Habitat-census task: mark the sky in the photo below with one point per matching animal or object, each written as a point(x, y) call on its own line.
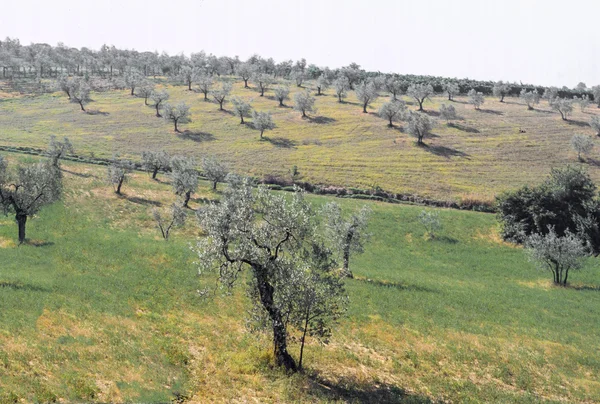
point(545, 42)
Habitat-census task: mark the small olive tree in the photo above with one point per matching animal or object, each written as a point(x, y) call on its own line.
point(25, 191)
point(282, 93)
point(304, 102)
point(153, 161)
point(80, 93)
point(419, 125)
point(57, 149)
point(563, 106)
point(348, 233)
point(420, 92)
point(530, 98)
point(177, 114)
point(322, 84)
point(214, 171)
point(475, 98)
point(158, 97)
point(366, 94)
point(392, 111)
point(596, 93)
point(241, 108)
point(430, 219)
point(263, 82)
point(394, 87)
point(221, 94)
point(245, 71)
point(165, 224)
point(341, 86)
point(447, 112)
point(133, 78)
point(501, 90)
point(184, 178)
point(595, 124)
point(556, 254)
point(205, 83)
point(582, 144)
point(262, 121)
point(145, 90)
point(583, 102)
point(451, 89)
point(118, 172)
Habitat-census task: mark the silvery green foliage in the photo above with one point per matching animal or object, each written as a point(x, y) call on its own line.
point(205, 83)
point(430, 219)
point(378, 81)
point(348, 233)
point(562, 105)
point(145, 90)
point(80, 93)
point(366, 92)
point(322, 84)
point(419, 125)
point(66, 84)
point(176, 218)
point(583, 102)
point(530, 98)
point(241, 108)
point(25, 191)
point(556, 254)
point(341, 85)
point(184, 177)
point(263, 81)
point(220, 94)
point(582, 144)
point(133, 78)
point(269, 234)
point(177, 114)
point(451, 89)
point(158, 97)
point(282, 93)
point(596, 93)
point(581, 87)
point(550, 94)
point(117, 172)
point(500, 90)
point(595, 124)
point(393, 86)
point(188, 75)
point(447, 112)
point(475, 98)
point(153, 161)
point(304, 102)
point(245, 71)
point(420, 92)
point(262, 121)
point(298, 76)
point(214, 171)
point(57, 149)
point(392, 111)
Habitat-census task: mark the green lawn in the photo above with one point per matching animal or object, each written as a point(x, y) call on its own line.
point(499, 147)
point(96, 307)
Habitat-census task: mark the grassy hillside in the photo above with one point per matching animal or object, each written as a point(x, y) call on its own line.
point(485, 152)
point(95, 307)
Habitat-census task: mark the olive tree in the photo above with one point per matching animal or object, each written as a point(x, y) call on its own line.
point(322, 84)
point(550, 94)
point(564, 106)
point(118, 172)
point(304, 102)
point(420, 92)
point(27, 189)
point(158, 97)
point(184, 177)
point(501, 90)
point(341, 85)
point(419, 125)
point(153, 161)
point(177, 114)
point(366, 94)
point(583, 102)
point(430, 219)
point(451, 89)
point(145, 90)
point(298, 76)
point(475, 98)
point(270, 235)
point(165, 224)
point(188, 75)
point(582, 144)
point(557, 254)
point(80, 93)
point(57, 149)
point(596, 93)
point(262, 121)
point(133, 78)
point(221, 94)
point(263, 81)
point(214, 170)
point(392, 111)
point(393, 86)
point(241, 108)
point(595, 124)
point(205, 82)
point(447, 112)
point(245, 71)
point(66, 84)
point(530, 98)
point(347, 232)
point(282, 93)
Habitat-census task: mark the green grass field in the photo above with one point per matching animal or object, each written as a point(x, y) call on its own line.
point(484, 153)
point(96, 307)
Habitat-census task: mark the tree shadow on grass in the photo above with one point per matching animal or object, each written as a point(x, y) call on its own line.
point(280, 142)
point(321, 119)
point(142, 201)
point(446, 152)
point(577, 123)
point(20, 286)
point(490, 111)
point(81, 175)
point(431, 113)
point(96, 112)
point(38, 243)
point(592, 288)
point(358, 392)
point(464, 128)
point(444, 239)
point(593, 162)
point(542, 111)
point(196, 136)
point(394, 285)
